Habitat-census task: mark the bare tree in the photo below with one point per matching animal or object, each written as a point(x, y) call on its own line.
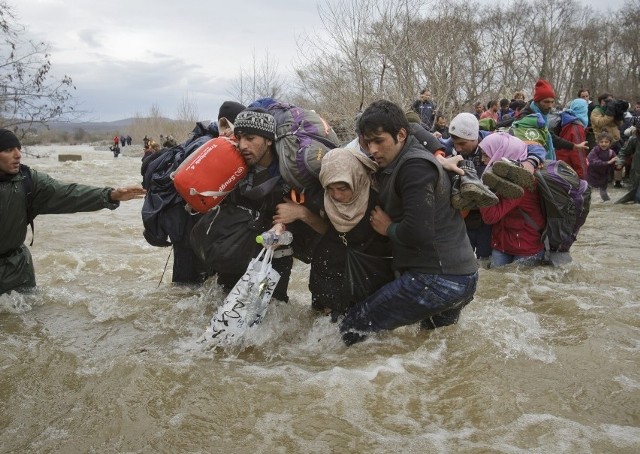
point(28, 93)
point(187, 111)
point(463, 53)
point(262, 80)
point(626, 22)
point(449, 53)
point(154, 124)
point(337, 73)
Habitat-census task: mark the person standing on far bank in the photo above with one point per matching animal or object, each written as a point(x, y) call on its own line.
point(426, 108)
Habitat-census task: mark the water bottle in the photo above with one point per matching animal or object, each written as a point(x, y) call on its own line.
point(268, 239)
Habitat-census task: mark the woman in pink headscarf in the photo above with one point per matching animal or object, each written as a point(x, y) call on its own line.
point(516, 223)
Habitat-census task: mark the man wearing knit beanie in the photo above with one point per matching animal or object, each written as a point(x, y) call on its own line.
point(255, 129)
point(542, 91)
point(9, 140)
point(465, 126)
point(543, 101)
point(257, 121)
point(265, 195)
point(24, 194)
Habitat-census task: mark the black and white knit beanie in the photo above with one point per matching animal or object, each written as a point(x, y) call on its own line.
point(256, 121)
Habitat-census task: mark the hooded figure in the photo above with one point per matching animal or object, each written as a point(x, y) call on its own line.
point(350, 166)
point(572, 128)
point(503, 145)
point(349, 196)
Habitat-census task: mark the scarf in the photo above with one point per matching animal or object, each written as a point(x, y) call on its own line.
point(580, 109)
point(551, 152)
point(350, 166)
point(503, 145)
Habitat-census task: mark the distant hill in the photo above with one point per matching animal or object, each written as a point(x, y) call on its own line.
point(92, 126)
point(91, 131)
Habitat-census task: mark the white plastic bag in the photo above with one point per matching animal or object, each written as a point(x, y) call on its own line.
point(246, 304)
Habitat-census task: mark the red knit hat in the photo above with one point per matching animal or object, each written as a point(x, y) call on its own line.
point(543, 90)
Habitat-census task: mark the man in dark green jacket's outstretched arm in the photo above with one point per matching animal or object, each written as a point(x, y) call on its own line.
point(26, 193)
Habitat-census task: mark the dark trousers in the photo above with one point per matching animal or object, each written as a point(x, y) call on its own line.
point(187, 268)
point(480, 240)
point(435, 300)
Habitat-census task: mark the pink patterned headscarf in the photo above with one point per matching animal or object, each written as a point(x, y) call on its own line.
point(503, 145)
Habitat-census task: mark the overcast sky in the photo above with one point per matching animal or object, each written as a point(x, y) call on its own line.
point(125, 56)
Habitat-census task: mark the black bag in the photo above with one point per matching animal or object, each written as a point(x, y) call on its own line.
point(364, 274)
point(225, 238)
point(163, 210)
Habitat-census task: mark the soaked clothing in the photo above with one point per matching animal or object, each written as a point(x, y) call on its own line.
point(47, 196)
point(261, 191)
point(631, 153)
point(326, 281)
point(433, 300)
point(431, 250)
point(427, 233)
point(512, 233)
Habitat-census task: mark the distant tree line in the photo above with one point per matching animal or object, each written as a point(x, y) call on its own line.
point(465, 52)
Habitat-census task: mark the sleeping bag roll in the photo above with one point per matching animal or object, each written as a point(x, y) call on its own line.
point(209, 174)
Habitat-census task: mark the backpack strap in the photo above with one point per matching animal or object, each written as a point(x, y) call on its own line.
point(27, 187)
point(529, 220)
point(542, 183)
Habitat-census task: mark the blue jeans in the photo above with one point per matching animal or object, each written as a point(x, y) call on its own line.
point(435, 300)
point(499, 258)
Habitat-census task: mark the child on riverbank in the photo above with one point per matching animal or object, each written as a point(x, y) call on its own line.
point(601, 160)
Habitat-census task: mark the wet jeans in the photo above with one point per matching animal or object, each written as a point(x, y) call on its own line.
point(499, 258)
point(435, 300)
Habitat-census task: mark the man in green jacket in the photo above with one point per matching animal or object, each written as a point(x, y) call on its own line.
point(26, 193)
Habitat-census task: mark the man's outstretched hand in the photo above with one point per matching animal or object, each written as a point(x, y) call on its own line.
point(127, 193)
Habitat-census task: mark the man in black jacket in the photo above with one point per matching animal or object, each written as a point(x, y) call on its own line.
point(432, 256)
point(264, 194)
point(426, 108)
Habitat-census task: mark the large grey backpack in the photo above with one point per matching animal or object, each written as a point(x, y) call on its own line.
point(302, 139)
